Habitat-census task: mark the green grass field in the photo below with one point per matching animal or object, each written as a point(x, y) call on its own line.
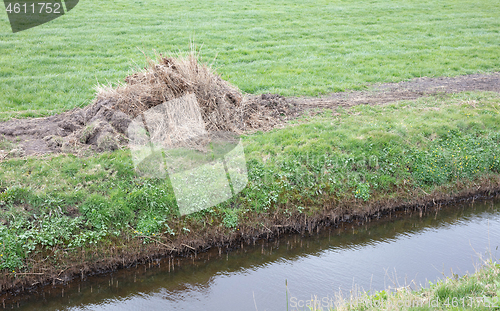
point(287, 47)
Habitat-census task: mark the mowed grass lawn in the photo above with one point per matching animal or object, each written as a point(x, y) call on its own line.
point(288, 47)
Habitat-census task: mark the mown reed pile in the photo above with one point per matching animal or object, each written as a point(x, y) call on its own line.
point(169, 78)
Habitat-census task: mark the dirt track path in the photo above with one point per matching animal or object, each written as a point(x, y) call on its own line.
point(410, 90)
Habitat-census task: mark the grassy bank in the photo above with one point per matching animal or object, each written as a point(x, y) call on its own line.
point(287, 47)
point(56, 208)
point(478, 291)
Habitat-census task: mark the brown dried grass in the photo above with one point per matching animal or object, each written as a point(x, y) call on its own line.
point(176, 122)
point(168, 78)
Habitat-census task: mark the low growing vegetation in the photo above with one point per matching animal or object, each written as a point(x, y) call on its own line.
point(61, 203)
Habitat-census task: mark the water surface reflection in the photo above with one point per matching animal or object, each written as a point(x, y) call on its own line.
point(390, 252)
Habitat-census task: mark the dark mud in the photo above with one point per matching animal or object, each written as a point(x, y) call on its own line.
point(101, 126)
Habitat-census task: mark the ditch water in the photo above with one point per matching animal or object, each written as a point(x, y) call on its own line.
point(392, 251)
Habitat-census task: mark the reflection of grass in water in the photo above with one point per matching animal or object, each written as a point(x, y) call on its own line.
point(484, 284)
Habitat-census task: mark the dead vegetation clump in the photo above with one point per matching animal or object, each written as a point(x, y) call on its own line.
point(172, 90)
point(171, 78)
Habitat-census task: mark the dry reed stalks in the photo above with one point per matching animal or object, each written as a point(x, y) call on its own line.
point(169, 78)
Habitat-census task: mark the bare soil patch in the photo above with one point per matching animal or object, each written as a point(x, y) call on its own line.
point(407, 90)
point(103, 125)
